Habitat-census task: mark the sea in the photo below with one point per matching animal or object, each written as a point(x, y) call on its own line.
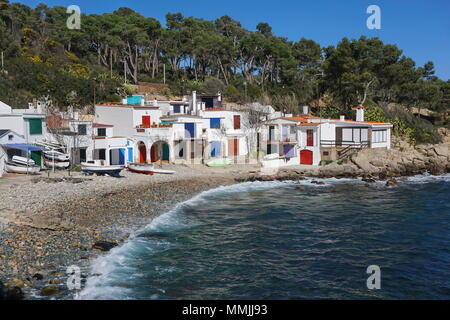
point(344, 239)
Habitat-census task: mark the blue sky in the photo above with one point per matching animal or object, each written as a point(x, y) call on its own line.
point(420, 28)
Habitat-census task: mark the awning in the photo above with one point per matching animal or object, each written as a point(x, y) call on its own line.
point(23, 147)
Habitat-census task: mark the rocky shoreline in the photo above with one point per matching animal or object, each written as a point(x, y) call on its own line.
point(39, 241)
point(48, 224)
point(371, 165)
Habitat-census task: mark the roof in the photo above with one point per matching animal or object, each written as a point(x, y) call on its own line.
point(176, 116)
point(362, 122)
point(23, 147)
point(216, 109)
point(131, 106)
point(3, 132)
point(99, 125)
point(308, 124)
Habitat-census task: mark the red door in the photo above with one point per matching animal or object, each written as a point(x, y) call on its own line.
point(306, 157)
point(146, 121)
point(142, 153)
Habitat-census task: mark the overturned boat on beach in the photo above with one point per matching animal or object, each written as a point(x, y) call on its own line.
point(99, 167)
point(14, 167)
point(142, 168)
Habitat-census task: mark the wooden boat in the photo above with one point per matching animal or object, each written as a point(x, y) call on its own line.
point(13, 167)
point(99, 167)
point(273, 156)
point(219, 163)
point(23, 161)
point(161, 171)
point(57, 164)
point(143, 168)
point(58, 156)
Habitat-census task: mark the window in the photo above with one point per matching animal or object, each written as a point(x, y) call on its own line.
point(214, 123)
point(101, 132)
point(82, 129)
point(310, 138)
point(35, 126)
point(176, 108)
point(102, 154)
point(379, 136)
point(10, 137)
point(83, 155)
point(237, 122)
point(326, 153)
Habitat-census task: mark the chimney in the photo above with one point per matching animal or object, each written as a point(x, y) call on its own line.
point(219, 96)
point(360, 113)
point(342, 118)
point(124, 100)
point(194, 102)
point(305, 109)
point(142, 101)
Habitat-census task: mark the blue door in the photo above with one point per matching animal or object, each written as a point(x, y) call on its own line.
point(216, 147)
point(122, 156)
point(130, 155)
point(190, 130)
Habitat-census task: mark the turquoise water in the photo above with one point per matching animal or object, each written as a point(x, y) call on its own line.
point(269, 240)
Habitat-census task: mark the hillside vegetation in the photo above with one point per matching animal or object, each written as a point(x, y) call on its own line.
point(43, 58)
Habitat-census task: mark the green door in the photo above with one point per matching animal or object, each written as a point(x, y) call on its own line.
point(36, 156)
point(166, 152)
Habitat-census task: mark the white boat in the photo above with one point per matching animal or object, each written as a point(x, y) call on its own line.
point(99, 167)
point(58, 156)
point(273, 156)
point(57, 164)
point(143, 168)
point(161, 171)
point(12, 167)
point(22, 161)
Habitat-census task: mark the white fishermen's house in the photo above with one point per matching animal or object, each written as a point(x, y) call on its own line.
point(87, 140)
point(290, 141)
point(21, 128)
point(341, 137)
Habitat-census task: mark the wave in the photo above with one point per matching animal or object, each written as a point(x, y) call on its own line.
point(109, 273)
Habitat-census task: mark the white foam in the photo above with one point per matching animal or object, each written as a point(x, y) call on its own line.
point(115, 267)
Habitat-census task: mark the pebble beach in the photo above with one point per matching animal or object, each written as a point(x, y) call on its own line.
point(50, 222)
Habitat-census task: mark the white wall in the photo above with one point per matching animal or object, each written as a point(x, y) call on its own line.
point(120, 117)
point(155, 115)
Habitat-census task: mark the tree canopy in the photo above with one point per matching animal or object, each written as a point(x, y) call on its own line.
point(44, 57)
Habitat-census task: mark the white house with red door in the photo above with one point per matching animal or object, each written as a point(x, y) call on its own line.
point(341, 137)
point(290, 142)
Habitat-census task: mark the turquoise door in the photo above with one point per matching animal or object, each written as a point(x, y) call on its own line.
point(166, 152)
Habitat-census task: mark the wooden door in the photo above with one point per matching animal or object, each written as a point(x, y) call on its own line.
point(146, 121)
point(306, 157)
point(233, 147)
